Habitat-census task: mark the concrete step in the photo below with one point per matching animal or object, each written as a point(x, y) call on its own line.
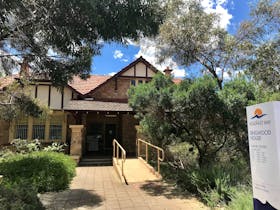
point(96, 162)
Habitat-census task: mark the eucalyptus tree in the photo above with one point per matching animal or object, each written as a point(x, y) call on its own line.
point(259, 43)
point(59, 37)
point(192, 36)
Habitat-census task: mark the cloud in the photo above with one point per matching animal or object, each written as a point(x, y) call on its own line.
point(112, 73)
point(218, 7)
point(125, 60)
point(118, 54)
point(148, 50)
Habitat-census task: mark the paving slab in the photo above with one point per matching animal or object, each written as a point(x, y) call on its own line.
point(100, 188)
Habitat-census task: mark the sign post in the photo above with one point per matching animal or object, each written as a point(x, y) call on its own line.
point(264, 144)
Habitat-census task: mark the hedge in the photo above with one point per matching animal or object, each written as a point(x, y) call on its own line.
point(47, 171)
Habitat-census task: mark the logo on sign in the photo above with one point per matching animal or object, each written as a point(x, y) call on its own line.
point(258, 114)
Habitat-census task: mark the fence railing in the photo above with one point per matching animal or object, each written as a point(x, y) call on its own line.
point(160, 152)
point(116, 154)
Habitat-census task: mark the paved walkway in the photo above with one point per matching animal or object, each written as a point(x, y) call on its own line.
point(99, 188)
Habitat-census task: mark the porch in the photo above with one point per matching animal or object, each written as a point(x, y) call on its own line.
point(94, 124)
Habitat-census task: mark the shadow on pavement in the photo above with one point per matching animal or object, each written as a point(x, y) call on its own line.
point(71, 199)
point(164, 189)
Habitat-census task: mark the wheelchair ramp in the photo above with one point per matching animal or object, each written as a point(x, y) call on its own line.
point(135, 170)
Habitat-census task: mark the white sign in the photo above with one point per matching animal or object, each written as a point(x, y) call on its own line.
point(264, 143)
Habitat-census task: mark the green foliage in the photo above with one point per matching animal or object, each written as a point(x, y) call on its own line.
point(237, 94)
point(151, 101)
point(21, 196)
point(183, 154)
point(241, 199)
point(216, 185)
point(60, 37)
point(259, 51)
point(211, 120)
point(55, 147)
point(47, 171)
point(201, 117)
point(25, 146)
point(15, 100)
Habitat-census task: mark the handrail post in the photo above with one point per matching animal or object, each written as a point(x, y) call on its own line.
point(113, 148)
point(160, 152)
point(138, 148)
point(122, 162)
point(158, 163)
point(147, 155)
point(117, 155)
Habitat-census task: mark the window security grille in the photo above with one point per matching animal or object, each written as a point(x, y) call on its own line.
point(21, 131)
point(55, 132)
point(56, 127)
point(38, 132)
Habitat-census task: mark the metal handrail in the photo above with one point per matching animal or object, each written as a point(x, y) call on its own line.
point(116, 152)
point(160, 157)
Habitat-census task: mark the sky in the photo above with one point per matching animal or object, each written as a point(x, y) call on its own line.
point(115, 56)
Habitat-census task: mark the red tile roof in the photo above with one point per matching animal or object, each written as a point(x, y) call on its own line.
point(5, 81)
point(80, 85)
point(85, 86)
point(177, 80)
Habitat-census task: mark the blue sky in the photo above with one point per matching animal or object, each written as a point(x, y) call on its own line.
point(115, 56)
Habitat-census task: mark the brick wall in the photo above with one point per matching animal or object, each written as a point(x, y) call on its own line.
point(107, 91)
point(4, 132)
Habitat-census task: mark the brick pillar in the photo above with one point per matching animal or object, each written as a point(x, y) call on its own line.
point(76, 141)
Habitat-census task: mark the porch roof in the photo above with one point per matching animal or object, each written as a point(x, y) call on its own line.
point(83, 105)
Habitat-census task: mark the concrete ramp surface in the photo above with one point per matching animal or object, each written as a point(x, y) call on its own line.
point(136, 171)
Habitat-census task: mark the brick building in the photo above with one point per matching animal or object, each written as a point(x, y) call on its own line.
point(87, 114)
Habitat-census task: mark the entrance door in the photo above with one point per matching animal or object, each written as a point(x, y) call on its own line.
point(110, 134)
point(94, 139)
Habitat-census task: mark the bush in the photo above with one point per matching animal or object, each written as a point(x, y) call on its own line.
point(26, 146)
point(47, 171)
point(214, 184)
point(242, 199)
point(19, 196)
point(183, 154)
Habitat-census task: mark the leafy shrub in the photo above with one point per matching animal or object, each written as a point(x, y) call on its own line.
point(25, 146)
point(19, 196)
point(213, 184)
point(241, 199)
point(47, 171)
point(184, 154)
point(55, 147)
point(5, 153)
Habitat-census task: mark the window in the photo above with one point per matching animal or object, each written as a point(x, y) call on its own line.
point(137, 82)
point(133, 82)
point(55, 132)
point(56, 128)
point(38, 129)
point(41, 128)
point(21, 128)
point(21, 131)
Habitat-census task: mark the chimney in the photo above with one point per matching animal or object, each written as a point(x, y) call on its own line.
point(24, 68)
point(167, 71)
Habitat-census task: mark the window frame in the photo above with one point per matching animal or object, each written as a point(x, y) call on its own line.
point(29, 122)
